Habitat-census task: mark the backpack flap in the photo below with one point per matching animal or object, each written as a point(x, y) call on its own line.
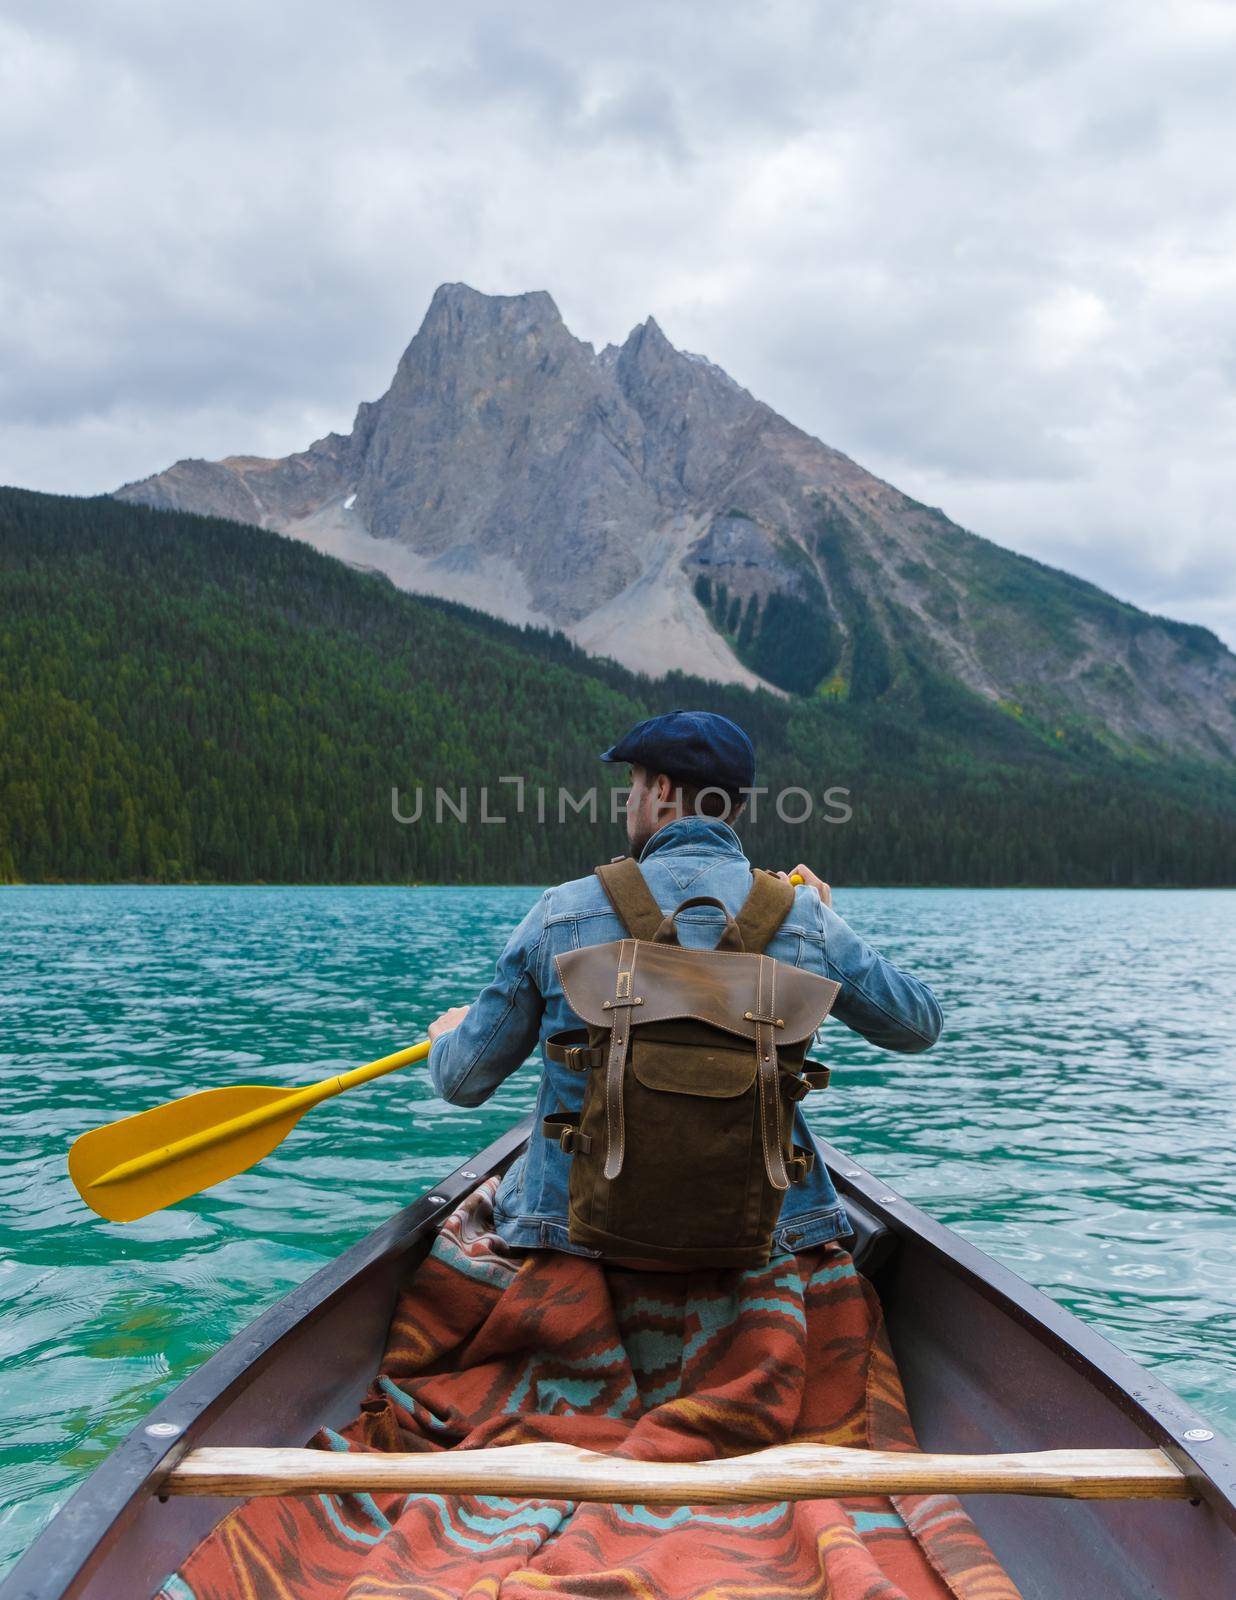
point(719, 987)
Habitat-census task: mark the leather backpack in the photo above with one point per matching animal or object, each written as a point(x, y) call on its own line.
point(693, 1066)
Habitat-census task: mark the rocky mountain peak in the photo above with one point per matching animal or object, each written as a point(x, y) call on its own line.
point(647, 504)
point(467, 331)
point(646, 339)
point(647, 356)
point(457, 308)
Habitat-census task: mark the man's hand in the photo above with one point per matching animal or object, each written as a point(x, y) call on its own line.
point(446, 1022)
point(809, 877)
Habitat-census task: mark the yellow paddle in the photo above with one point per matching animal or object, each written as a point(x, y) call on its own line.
point(145, 1162)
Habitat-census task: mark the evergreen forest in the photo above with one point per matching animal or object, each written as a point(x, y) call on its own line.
point(186, 699)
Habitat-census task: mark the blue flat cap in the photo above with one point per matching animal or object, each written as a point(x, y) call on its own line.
point(701, 748)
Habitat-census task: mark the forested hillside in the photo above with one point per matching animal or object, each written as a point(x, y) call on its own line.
point(184, 698)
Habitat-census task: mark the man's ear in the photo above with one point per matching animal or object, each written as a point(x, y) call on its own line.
point(665, 789)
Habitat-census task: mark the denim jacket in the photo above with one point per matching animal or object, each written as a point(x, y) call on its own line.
point(525, 1004)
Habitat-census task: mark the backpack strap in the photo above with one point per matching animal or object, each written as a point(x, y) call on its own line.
point(619, 1043)
point(766, 907)
point(764, 910)
point(767, 1069)
point(631, 897)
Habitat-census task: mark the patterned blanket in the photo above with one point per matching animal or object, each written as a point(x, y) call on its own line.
point(494, 1347)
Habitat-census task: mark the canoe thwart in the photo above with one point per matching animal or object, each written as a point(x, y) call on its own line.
point(788, 1472)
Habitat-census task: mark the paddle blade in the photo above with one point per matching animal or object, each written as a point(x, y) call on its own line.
point(225, 1137)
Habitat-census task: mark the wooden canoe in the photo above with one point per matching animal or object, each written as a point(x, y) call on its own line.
point(989, 1365)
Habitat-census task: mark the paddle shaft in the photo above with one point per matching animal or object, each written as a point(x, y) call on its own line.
point(788, 1472)
point(292, 1105)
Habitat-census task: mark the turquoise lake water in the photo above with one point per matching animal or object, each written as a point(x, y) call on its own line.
point(1076, 1121)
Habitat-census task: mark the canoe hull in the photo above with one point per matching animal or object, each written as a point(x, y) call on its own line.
point(988, 1364)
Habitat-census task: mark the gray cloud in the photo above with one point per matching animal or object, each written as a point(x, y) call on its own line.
point(984, 246)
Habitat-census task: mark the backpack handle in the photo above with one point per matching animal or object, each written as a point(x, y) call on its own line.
point(730, 938)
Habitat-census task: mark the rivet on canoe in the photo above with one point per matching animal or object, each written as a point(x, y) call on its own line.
point(162, 1430)
point(436, 1199)
point(1198, 1435)
point(465, 1172)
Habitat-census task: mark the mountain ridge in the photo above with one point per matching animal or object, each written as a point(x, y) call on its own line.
point(652, 508)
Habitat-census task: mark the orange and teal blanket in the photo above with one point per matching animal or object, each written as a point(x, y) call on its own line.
point(494, 1347)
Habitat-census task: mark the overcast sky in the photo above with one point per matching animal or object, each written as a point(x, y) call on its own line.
point(988, 249)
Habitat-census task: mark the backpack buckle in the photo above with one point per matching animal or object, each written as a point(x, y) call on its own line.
point(800, 1085)
point(563, 1127)
point(572, 1050)
point(800, 1164)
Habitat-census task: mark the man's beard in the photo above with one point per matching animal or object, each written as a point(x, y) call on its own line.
point(652, 815)
point(644, 831)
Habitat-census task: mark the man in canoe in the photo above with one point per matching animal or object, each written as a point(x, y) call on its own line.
point(690, 772)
